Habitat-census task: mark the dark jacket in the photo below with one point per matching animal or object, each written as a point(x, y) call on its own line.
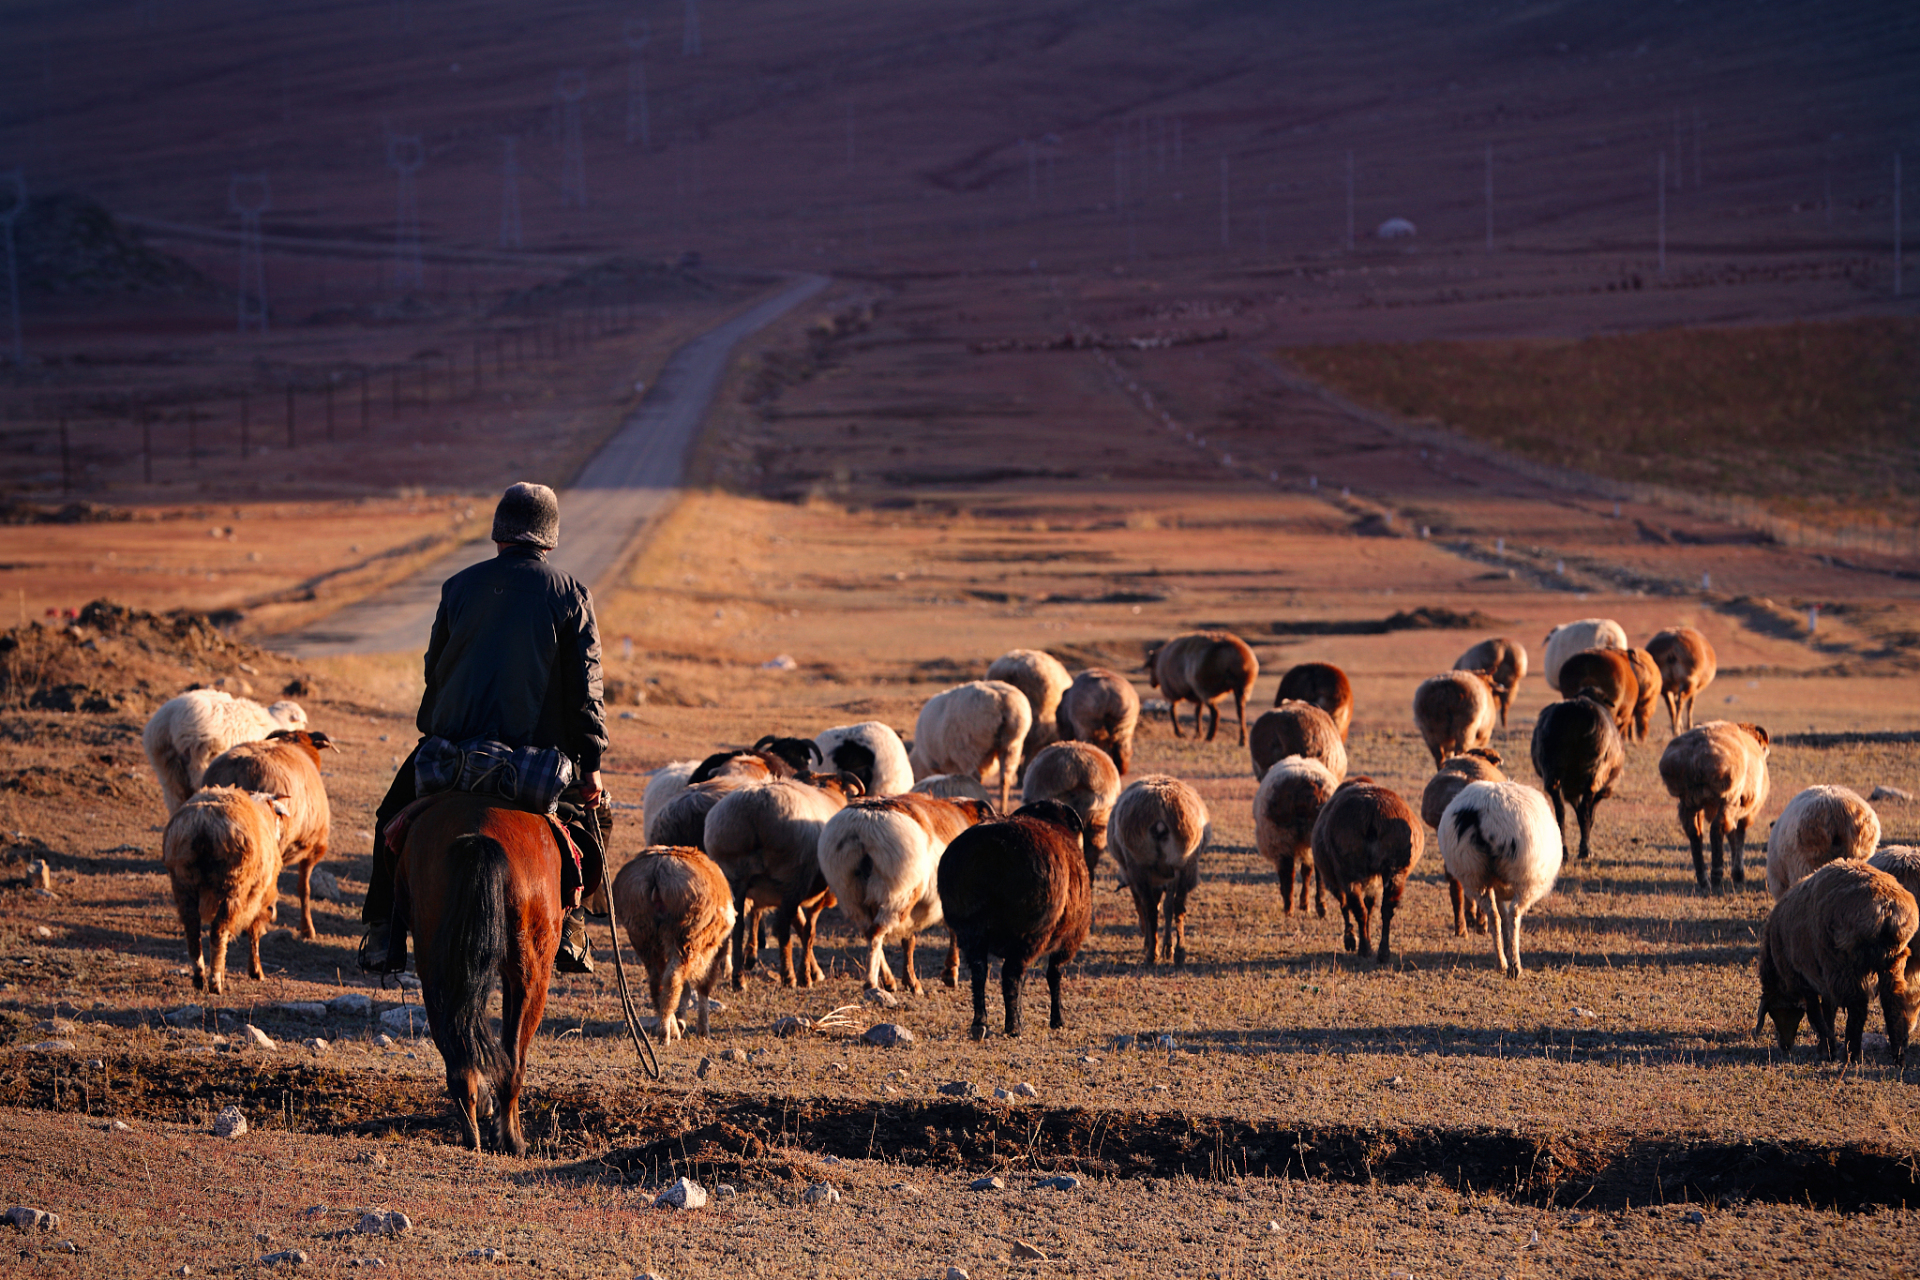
point(515, 656)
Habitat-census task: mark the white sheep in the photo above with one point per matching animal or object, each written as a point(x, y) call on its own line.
point(663, 784)
point(1570, 638)
point(186, 733)
point(766, 841)
point(1820, 825)
point(1285, 808)
point(870, 751)
point(972, 728)
point(951, 786)
point(1040, 676)
point(1500, 841)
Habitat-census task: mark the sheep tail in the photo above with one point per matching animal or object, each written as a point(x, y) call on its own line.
point(472, 945)
point(1760, 1022)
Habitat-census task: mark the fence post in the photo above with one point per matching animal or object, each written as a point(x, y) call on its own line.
point(329, 388)
point(245, 423)
point(66, 464)
point(364, 408)
point(290, 437)
point(146, 444)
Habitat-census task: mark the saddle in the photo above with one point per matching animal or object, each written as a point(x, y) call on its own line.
point(572, 868)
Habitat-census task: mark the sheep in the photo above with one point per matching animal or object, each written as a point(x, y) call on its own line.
point(222, 853)
point(1820, 825)
point(1365, 841)
point(1608, 675)
point(870, 751)
point(1646, 675)
point(1296, 728)
point(286, 763)
point(663, 784)
point(1040, 676)
point(1454, 712)
point(1825, 943)
point(1902, 862)
point(1578, 754)
point(951, 786)
point(1101, 708)
point(1325, 686)
point(1203, 667)
point(972, 728)
point(1018, 888)
point(1082, 777)
point(187, 732)
point(1506, 660)
point(1687, 665)
point(799, 754)
point(678, 912)
point(881, 858)
point(669, 818)
point(1157, 829)
point(1718, 773)
point(1482, 764)
point(1570, 638)
point(766, 839)
point(1499, 840)
point(1284, 808)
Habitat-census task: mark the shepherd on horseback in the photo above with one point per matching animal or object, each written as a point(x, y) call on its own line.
point(512, 710)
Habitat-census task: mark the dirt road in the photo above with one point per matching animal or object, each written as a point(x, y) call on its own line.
point(626, 484)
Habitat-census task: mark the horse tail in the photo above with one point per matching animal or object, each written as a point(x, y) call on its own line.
point(471, 945)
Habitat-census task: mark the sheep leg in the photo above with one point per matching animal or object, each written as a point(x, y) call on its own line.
point(1319, 895)
point(1213, 720)
point(1820, 1012)
point(1583, 812)
point(307, 930)
point(1510, 910)
point(1361, 922)
point(1056, 1017)
point(1011, 971)
point(1286, 884)
point(666, 1001)
point(738, 943)
point(1173, 928)
point(1173, 714)
point(978, 964)
point(1737, 841)
point(952, 975)
point(1717, 835)
point(1389, 903)
point(255, 969)
point(809, 928)
point(1498, 928)
point(878, 974)
point(1559, 809)
point(906, 965)
point(188, 905)
point(657, 992)
point(1351, 908)
point(1690, 823)
point(1006, 778)
point(1856, 1024)
point(1240, 710)
point(1146, 906)
point(222, 935)
point(783, 943)
point(1459, 898)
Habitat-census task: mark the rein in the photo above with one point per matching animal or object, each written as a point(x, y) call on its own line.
point(642, 1045)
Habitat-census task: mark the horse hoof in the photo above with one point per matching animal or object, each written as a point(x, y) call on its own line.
point(979, 1031)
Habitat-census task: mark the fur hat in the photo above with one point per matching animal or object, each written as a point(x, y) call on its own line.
point(528, 513)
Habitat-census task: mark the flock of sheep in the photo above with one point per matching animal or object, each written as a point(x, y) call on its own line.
point(904, 840)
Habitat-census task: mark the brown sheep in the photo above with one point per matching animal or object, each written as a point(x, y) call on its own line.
point(1570, 638)
point(1325, 686)
point(1284, 809)
point(1482, 764)
point(1158, 828)
point(222, 853)
point(1082, 777)
point(1503, 658)
point(1608, 674)
point(1646, 677)
point(1203, 667)
point(1824, 946)
point(1365, 841)
point(1820, 825)
point(1454, 712)
point(678, 912)
point(1018, 889)
point(1040, 676)
point(1718, 773)
point(1101, 708)
point(1687, 666)
point(1296, 728)
point(286, 763)
point(1578, 755)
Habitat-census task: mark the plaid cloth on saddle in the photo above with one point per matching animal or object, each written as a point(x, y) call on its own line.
point(529, 778)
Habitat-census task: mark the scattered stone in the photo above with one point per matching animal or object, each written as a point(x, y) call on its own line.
point(1059, 1182)
point(95, 1064)
point(1160, 1088)
point(1585, 1015)
point(185, 1016)
point(733, 1055)
point(1694, 1218)
point(1025, 1252)
point(230, 1123)
point(887, 1035)
point(121, 1126)
point(831, 1160)
point(41, 931)
point(183, 1271)
point(706, 1065)
point(488, 1254)
point(391, 1223)
point(50, 1046)
point(316, 1046)
point(1165, 1042)
point(350, 1004)
point(58, 1026)
point(988, 1183)
point(1890, 793)
point(821, 1193)
point(685, 1193)
point(368, 1262)
point(297, 1257)
point(314, 1211)
point(1025, 1090)
point(646, 1275)
point(959, 1089)
point(383, 1041)
point(880, 996)
point(725, 1191)
point(1123, 1042)
point(375, 1158)
point(311, 1010)
point(1002, 1095)
point(22, 1218)
point(957, 1273)
point(66, 1246)
point(406, 1020)
point(259, 1039)
point(1393, 1082)
point(904, 1188)
point(407, 982)
point(1273, 1228)
point(325, 885)
point(1088, 1060)
point(791, 1025)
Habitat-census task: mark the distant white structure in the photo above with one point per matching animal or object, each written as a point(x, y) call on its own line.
point(571, 88)
point(405, 155)
point(1395, 229)
point(510, 235)
point(13, 203)
point(638, 33)
point(249, 196)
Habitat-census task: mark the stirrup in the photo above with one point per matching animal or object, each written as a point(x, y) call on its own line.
point(376, 950)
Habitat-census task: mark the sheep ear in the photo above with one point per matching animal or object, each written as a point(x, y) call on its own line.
point(280, 807)
point(321, 742)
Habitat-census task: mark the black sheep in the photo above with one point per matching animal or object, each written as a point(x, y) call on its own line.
point(1579, 756)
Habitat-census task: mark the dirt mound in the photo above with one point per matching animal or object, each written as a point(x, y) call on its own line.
point(19, 511)
point(70, 246)
point(1424, 618)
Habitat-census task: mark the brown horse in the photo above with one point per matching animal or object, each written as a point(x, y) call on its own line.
point(479, 885)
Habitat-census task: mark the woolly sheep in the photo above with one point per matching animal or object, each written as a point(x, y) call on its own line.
point(1820, 825)
point(1578, 754)
point(1570, 638)
point(1365, 841)
point(1826, 943)
point(663, 784)
point(1157, 829)
point(1040, 676)
point(1082, 777)
point(766, 839)
point(1454, 712)
point(1902, 862)
point(870, 751)
point(1101, 708)
point(678, 910)
point(731, 769)
point(1606, 674)
point(1295, 728)
point(286, 764)
point(221, 850)
point(951, 786)
point(1018, 889)
point(1503, 658)
point(186, 733)
point(1285, 806)
point(1322, 684)
point(1482, 764)
point(1203, 667)
point(1687, 665)
point(881, 858)
point(972, 729)
point(1718, 773)
point(1646, 675)
point(1500, 841)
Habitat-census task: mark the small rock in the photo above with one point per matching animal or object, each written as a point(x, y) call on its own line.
point(1164, 1042)
point(957, 1273)
point(375, 1158)
point(1002, 1095)
point(58, 1026)
point(368, 1262)
point(66, 1246)
point(646, 1275)
point(311, 1010)
point(887, 1035)
point(1025, 1090)
point(988, 1183)
point(959, 1089)
point(724, 1191)
point(407, 1020)
point(685, 1193)
point(790, 1025)
point(41, 931)
point(488, 1254)
point(316, 1046)
point(259, 1039)
point(831, 1160)
point(1273, 1228)
point(121, 1126)
point(383, 1041)
point(1585, 1015)
point(904, 1188)
point(185, 1016)
point(1160, 1088)
point(297, 1257)
point(350, 1004)
point(733, 1055)
point(314, 1211)
point(1123, 1042)
point(391, 1223)
point(1394, 1082)
point(1890, 793)
point(1059, 1182)
point(326, 886)
point(1088, 1060)
point(95, 1064)
point(706, 1065)
point(407, 982)
point(1028, 1253)
point(821, 1193)
point(230, 1123)
point(1694, 1218)
point(183, 1270)
point(50, 1046)
point(22, 1218)
point(880, 996)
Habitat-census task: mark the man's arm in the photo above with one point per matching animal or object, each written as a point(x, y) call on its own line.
point(436, 645)
point(586, 706)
